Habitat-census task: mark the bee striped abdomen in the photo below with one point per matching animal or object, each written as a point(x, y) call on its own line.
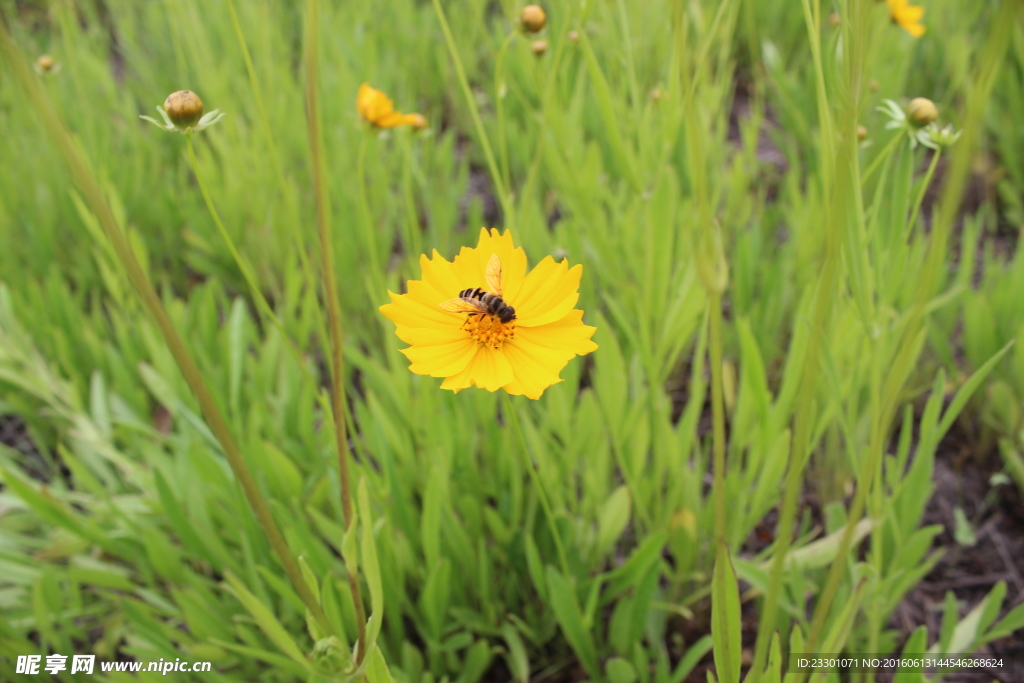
point(475, 293)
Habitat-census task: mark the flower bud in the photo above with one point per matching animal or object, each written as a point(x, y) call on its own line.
point(922, 111)
point(874, 85)
point(533, 18)
point(834, 19)
point(539, 47)
point(862, 133)
point(938, 138)
point(45, 62)
point(574, 36)
point(184, 108)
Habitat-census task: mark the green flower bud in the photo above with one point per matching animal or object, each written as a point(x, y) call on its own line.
point(184, 108)
point(922, 111)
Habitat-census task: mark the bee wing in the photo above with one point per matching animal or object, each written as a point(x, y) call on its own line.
point(463, 305)
point(494, 275)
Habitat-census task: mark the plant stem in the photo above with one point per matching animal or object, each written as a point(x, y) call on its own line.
point(499, 106)
point(364, 204)
point(718, 418)
point(330, 287)
point(250, 279)
point(920, 195)
point(261, 301)
point(524, 451)
point(85, 178)
point(295, 223)
point(882, 156)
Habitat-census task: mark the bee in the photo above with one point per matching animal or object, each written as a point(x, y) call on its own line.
point(476, 301)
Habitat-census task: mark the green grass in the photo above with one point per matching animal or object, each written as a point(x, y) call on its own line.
point(780, 308)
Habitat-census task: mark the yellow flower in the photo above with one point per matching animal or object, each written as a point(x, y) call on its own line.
point(482, 320)
point(377, 108)
point(907, 16)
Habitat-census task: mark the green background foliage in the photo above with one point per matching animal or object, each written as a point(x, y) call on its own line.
point(866, 309)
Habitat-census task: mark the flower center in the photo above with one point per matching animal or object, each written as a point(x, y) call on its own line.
point(488, 329)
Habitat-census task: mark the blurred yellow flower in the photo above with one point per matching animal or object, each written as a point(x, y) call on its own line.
point(377, 109)
point(907, 16)
point(482, 320)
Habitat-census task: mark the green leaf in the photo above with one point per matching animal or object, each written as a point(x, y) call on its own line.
point(279, 663)
point(376, 668)
point(535, 567)
point(962, 531)
point(515, 654)
point(822, 552)
point(916, 644)
point(1014, 462)
point(965, 392)
point(1012, 622)
point(613, 519)
point(434, 598)
point(693, 655)
point(474, 666)
point(562, 597)
point(266, 620)
point(620, 670)
point(725, 618)
point(371, 566)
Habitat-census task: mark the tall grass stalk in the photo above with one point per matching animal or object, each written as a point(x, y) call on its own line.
point(919, 200)
point(262, 304)
point(330, 286)
point(499, 107)
point(295, 223)
point(718, 418)
point(83, 175)
point(504, 198)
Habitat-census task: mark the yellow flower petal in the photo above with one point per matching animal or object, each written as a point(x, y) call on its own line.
point(907, 16)
point(569, 334)
point(536, 367)
point(551, 299)
point(405, 310)
point(440, 274)
point(391, 119)
point(488, 369)
point(424, 336)
point(471, 263)
point(911, 14)
point(441, 360)
point(916, 30)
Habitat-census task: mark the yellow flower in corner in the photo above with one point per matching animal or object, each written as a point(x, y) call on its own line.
point(482, 320)
point(907, 16)
point(377, 109)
